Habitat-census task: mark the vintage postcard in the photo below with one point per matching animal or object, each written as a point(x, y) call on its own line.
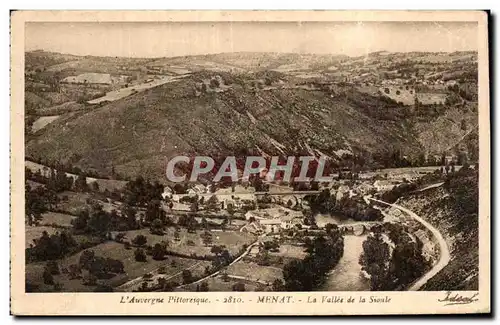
point(250, 163)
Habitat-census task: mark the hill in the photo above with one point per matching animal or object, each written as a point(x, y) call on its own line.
point(232, 103)
point(136, 133)
point(453, 210)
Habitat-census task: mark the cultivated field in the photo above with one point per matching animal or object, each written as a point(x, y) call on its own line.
point(192, 243)
point(60, 219)
point(399, 94)
point(221, 284)
point(253, 272)
point(172, 265)
point(35, 232)
point(431, 98)
point(109, 184)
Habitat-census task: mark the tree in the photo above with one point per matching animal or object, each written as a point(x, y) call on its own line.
point(187, 277)
point(140, 255)
point(443, 160)
point(95, 187)
point(51, 247)
point(204, 287)
point(263, 258)
point(154, 210)
point(214, 83)
point(194, 206)
point(231, 211)
point(81, 183)
point(216, 249)
point(156, 227)
point(119, 237)
point(140, 240)
point(159, 252)
point(278, 285)
point(144, 286)
point(86, 259)
point(212, 204)
point(239, 286)
point(374, 259)
point(162, 282)
point(207, 238)
point(323, 253)
point(130, 214)
point(36, 204)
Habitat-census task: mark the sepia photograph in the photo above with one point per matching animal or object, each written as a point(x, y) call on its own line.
point(334, 159)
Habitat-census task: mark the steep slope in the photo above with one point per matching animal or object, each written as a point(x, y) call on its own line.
point(453, 210)
point(450, 131)
point(137, 133)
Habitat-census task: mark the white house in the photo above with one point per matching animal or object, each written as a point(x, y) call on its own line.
point(428, 248)
point(289, 221)
point(341, 191)
point(270, 225)
point(451, 83)
point(167, 192)
point(383, 185)
point(197, 189)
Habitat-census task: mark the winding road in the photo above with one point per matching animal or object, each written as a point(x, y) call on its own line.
point(444, 257)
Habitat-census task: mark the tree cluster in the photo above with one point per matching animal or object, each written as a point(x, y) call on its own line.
point(51, 247)
point(324, 253)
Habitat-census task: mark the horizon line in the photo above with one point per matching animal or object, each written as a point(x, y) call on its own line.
point(248, 52)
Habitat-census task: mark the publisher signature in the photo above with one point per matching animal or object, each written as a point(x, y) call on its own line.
point(457, 299)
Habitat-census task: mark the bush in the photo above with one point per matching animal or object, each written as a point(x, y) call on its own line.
point(140, 240)
point(140, 255)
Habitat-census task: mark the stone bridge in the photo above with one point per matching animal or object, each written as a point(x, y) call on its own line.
point(359, 228)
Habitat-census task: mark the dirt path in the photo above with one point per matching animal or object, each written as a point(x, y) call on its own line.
point(430, 186)
point(444, 257)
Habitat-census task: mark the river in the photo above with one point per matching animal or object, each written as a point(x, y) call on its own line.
point(346, 276)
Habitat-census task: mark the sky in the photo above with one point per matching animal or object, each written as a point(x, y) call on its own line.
point(151, 39)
